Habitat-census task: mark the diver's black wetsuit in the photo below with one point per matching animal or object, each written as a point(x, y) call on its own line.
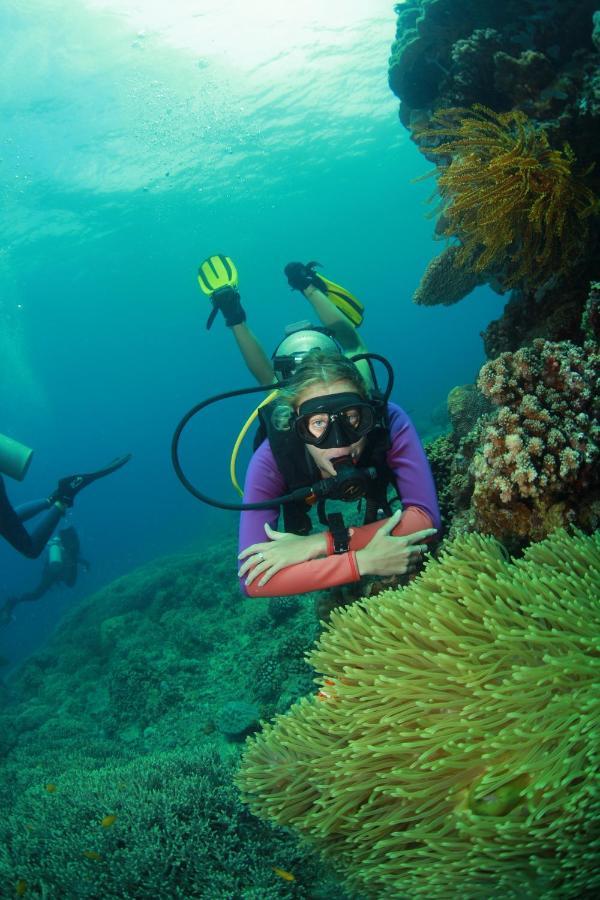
point(12, 528)
point(11, 520)
point(65, 573)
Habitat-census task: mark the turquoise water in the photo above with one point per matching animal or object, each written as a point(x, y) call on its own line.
point(138, 138)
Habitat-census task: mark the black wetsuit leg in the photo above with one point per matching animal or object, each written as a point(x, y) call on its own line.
point(26, 511)
point(13, 530)
point(48, 580)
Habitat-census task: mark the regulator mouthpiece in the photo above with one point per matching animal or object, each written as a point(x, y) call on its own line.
point(350, 483)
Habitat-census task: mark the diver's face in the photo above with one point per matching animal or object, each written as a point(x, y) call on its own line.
point(323, 457)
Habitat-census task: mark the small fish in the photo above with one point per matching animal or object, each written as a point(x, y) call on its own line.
point(287, 876)
point(51, 788)
point(108, 821)
point(327, 694)
point(91, 854)
point(20, 887)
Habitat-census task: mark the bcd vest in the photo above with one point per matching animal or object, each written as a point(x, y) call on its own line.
point(299, 470)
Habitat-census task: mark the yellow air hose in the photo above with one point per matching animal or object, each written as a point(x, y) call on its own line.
point(240, 438)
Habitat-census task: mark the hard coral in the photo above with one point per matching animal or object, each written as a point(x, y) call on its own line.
point(522, 77)
point(237, 718)
point(536, 466)
point(465, 406)
point(180, 832)
point(453, 748)
point(420, 54)
point(446, 280)
point(516, 204)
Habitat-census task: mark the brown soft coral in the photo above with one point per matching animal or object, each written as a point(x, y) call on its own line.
point(515, 203)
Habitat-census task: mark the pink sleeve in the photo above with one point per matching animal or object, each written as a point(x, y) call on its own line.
point(264, 481)
point(335, 569)
point(313, 575)
point(413, 519)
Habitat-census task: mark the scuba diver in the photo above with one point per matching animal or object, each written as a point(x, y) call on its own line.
point(15, 459)
point(328, 437)
point(324, 423)
point(61, 567)
point(327, 432)
point(339, 312)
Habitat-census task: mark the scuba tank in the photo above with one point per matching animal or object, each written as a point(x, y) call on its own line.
point(55, 554)
point(14, 458)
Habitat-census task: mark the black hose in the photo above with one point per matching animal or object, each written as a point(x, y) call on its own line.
point(331, 487)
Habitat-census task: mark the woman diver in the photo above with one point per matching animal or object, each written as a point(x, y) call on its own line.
point(326, 424)
point(324, 420)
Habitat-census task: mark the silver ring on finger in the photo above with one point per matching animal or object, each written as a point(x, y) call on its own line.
point(260, 555)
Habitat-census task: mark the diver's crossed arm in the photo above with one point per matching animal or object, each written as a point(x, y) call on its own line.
point(335, 569)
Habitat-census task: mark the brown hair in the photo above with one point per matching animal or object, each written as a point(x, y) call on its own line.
point(317, 367)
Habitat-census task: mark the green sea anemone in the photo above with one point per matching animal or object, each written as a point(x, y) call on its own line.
point(453, 748)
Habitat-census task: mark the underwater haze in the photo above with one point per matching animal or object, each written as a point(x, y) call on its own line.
point(137, 138)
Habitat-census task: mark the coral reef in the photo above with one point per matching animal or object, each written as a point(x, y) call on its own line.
point(134, 710)
point(505, 99)
point(454, 52)
point(522, 320)
point(537, 464)
point(529, 461)
point(590, 324)
point(178, 830)
point(466, 405)
point(415, 69)
point(440, 453)
point(453, 749)
point(540, 60)
point(282, 608)
point(446, 280)
point(236, 719)
point(450, 456)
point(516, 204)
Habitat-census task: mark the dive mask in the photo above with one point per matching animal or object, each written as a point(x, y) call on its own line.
point(336, 420)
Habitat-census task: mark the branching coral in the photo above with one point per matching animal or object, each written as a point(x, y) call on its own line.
point(516, 204)
point(179, 832)
point(537, 463)
point(455, 750)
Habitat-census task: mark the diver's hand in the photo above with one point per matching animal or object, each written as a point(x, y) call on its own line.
point(281, 550)
point(301, 276)
point(389, 555)
point(227, 301)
